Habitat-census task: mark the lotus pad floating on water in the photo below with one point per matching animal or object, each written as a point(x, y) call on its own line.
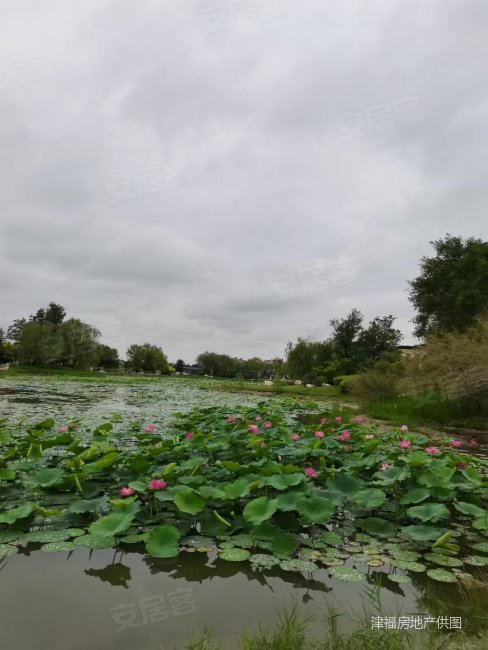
point(401, 578)
point(6, 550)
point(95, 542)
point(46, 536)
point(10, 535)
point(481, 546)
point(417, 567)
point(263, 560)
point(234, 555)
point(347, 574)
point(443, 560)
point(476, 560)
point(197, 540)
point(58, 547)
point(441, 575)
point(303, 566)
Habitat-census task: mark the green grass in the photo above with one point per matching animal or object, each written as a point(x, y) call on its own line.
point(425, 409)
point(291, 632)
point(322, 392)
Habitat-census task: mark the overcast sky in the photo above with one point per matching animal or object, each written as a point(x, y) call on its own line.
point(230, 175)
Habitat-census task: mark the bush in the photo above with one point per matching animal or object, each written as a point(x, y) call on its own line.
point(455, 365)
point(380, 381)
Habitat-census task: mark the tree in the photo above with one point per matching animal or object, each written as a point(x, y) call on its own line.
point(14, 331)
point(180, 365)
point(80, 344)
point(380, 337)
point(147, 357)
point(452, 287)
point(108, 357)
point(346, 332)
point(40, 344)
point(53, 314)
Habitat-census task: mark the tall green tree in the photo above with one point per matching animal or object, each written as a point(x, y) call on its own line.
point(14, 331)
point(80, 344)
point(108, 357)
point(451, 289)
point(40, 344)
point(379, 337)
point(147, 357)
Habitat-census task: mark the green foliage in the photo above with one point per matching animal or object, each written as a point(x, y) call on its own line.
point(450, 290)
point(147, 357)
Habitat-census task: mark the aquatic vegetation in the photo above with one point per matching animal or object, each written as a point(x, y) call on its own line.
point(255, 484)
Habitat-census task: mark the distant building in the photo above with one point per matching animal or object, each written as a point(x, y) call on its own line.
point(192, 370)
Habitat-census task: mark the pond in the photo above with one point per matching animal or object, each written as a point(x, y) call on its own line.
point(90, 595)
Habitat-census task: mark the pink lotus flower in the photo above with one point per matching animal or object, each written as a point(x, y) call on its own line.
point(324, 421)
point(189, 435)
point(433, 451)
point(456, 443)
point(150, 428)
point(311, 472)
point(268, 425)
point(257, 418)
point(319, 434)
point(359, 419)
point(338, 419)
point(404, 444)
point(231, 418)
point(473, 443)
point(127, 492)
point(253, 429)
point(345, 436)
point(64, 429)
point(157, 484)
point(369, 436)
point(295, 436)
point(462, 466)
point(385, 466)
point(404, 427)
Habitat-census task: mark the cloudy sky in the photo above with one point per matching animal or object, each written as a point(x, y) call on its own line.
point(230, 175)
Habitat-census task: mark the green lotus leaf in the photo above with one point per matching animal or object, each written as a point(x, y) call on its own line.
point(392, 475)
point(134, 539)
point(45, 536)
point(429, 512)
point(284, 545)
point(480, 546)
point(242, 540)
point(417, 567)
point(264, 561)
point(316, 510)
point(236, 490)
point(87, 505)
point(197, 540)
point(6, 550)
point(481, 524)
point(211, 492)
point(288, 501)
point(415, 496)
point(285, 481)
point(234, 554)
point(331, 538)
point(409, 556)
point(377, 526)
point(58, 547)
point(47, 477)
point(443, 560)
point(163, 541)
point(420, 533)
point(347, 574)
point(298, 566)
point(401, 578)
point(75, 532)
point(441, 575)
point(14, 514)
point(113, 524)
point(7, 474)
point(259, 510)
point(189, 501)
point(371, 498)
point(10, 535)
point(438, 477)
point(476, 560)
point(332, 562)
point(95, 541)
point(470, 509)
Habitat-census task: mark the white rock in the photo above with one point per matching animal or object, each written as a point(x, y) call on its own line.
point(267, 382)
point(298, 382)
